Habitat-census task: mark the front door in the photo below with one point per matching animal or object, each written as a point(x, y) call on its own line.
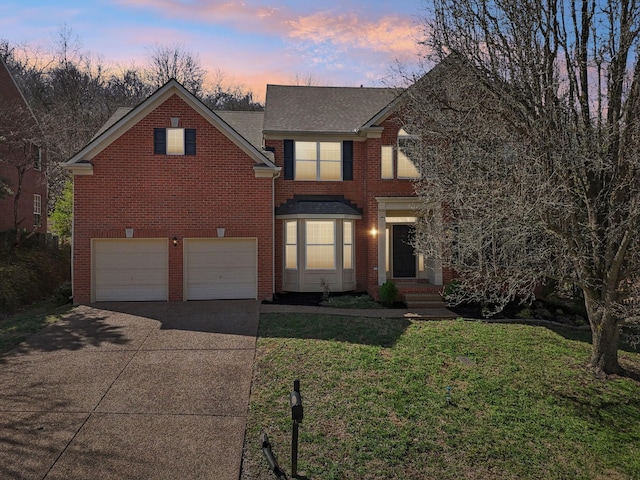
point(404, 259)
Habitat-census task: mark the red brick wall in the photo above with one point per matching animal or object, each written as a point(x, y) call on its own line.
point(14, 110)
point(163, 196)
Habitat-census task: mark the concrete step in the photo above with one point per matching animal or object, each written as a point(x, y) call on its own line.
point(423, 300)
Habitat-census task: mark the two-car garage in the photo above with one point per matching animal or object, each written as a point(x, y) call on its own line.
point(138, 269)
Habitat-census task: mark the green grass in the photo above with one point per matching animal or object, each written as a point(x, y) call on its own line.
point(400, 399)
point(19, 326)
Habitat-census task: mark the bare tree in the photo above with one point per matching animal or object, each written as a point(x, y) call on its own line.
point(531, 153)
point(20, 140)
point(167, 62)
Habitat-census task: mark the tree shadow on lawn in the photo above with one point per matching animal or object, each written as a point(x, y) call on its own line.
point(383, 332)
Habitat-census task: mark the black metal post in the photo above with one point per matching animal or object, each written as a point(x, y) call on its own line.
point(297, 414)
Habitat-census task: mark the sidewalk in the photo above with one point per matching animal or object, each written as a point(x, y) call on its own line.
point(426, 313)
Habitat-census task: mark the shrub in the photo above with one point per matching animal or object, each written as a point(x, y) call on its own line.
point(62, 295)
point(452, 293)
point(388, 293)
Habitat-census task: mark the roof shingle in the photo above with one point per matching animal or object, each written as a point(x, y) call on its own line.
point(300, 109)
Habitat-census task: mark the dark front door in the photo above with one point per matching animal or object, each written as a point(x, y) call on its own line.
point(404, 260)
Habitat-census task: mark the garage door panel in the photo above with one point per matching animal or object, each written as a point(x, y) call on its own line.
point(127, 294)
point(220, 269)
point(130, 269)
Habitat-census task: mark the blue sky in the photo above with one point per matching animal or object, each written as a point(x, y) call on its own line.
point(336, 42)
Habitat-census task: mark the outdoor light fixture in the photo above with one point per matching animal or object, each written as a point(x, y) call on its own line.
point(175, 241)
point(373, 232)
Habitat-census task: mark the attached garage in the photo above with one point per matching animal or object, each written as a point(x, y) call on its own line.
point(220, 268)
point(132, 269)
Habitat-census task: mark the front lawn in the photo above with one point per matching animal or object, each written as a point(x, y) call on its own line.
point(401, 399)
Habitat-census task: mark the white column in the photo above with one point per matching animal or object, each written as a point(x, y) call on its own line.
point(382, 243)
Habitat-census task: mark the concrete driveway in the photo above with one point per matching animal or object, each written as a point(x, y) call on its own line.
point(130, 391)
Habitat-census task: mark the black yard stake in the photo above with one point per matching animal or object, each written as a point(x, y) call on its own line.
point(271, 459)
point(295, 400)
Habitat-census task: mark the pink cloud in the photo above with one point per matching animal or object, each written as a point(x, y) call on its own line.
point(392, 35)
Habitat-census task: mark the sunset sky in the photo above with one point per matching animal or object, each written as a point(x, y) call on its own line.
point(336, 42)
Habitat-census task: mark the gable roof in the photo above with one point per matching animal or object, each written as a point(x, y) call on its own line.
point(327, 110)
point(438, 74)
point(11, 97)
point(123, 119)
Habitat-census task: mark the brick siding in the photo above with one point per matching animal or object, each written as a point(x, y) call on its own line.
point(162, 196)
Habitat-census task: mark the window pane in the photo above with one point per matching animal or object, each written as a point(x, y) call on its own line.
point(387, 162)
point(406, 168)
point(291, 256)
point(37, 204)
point(320, 232)
point(347, 248)
point(321, 257)
point(292, 232)
point(306, 151)
point(330, 151)
point(348, 232)
point(320, 244)
point(348, 256)
point(175, 141)
point(291, 244)
point(330, 170)
point(306, 170)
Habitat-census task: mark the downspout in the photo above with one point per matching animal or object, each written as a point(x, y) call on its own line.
point(73, 232)
point(273, 232)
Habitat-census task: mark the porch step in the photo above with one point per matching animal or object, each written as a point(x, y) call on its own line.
point(423, 300)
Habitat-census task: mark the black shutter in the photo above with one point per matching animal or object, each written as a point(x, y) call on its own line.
point(160, 141)
point(190, 141)
point(288, 159)
point(347, 160)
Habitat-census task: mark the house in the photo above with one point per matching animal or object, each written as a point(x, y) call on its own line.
point(173, 201)
point(23, 184)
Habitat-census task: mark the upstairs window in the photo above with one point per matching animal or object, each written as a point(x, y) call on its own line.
point(318, 161)
point(387, 162)
point(408, 147)
point(37, 210)
point(174, 141)
point(37, 158)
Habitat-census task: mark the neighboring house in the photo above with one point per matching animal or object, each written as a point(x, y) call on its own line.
point(23, 185)
point(173, 201)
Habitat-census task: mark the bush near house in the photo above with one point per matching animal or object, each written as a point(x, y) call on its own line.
point(31, 273)
point(388, 293)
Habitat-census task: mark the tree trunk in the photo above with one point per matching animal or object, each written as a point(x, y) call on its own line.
point(605, 337)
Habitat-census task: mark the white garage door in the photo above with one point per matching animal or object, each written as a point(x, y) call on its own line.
point(220, 268)
point(133, 269)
